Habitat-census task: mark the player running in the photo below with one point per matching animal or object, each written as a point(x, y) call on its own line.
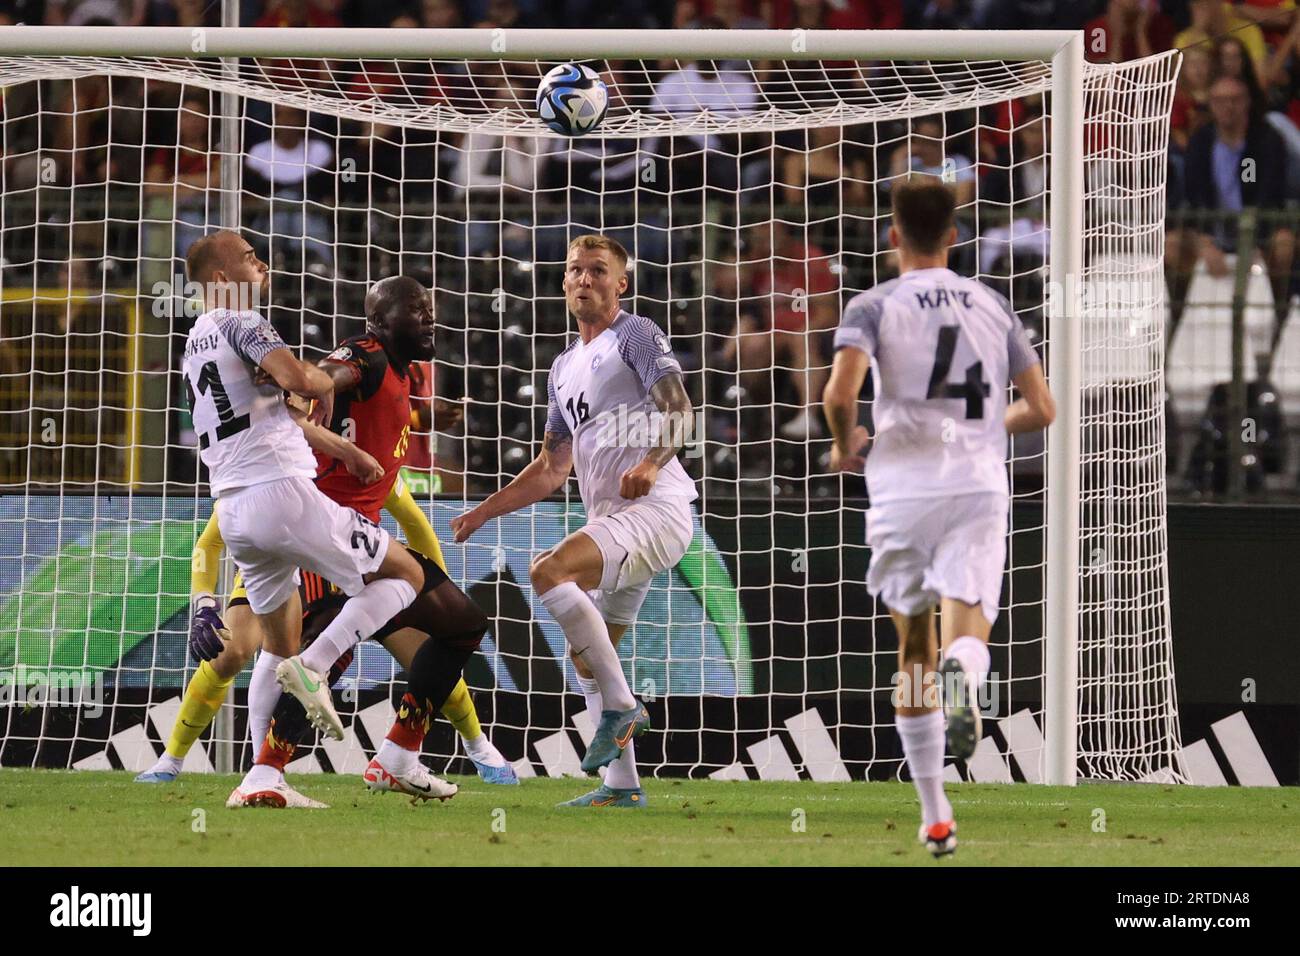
point(617, 372)
point(944, 346)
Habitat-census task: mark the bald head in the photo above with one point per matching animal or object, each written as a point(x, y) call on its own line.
point(388, 295)
point(399, 312)
point(213, 252)
point(228, 270)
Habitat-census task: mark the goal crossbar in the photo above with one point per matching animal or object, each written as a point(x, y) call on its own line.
point(538, 44)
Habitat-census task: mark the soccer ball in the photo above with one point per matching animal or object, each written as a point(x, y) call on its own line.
point(572, 99)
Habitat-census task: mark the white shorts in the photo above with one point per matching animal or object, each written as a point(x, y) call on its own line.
point(924, 549)
point(274, 528)
point(637, 542)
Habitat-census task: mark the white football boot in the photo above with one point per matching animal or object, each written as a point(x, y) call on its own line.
point(416, 782)
point(313, 692)
point(940, 839)
point(279, 796)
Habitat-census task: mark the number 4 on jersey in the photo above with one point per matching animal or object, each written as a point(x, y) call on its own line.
point(974, 389)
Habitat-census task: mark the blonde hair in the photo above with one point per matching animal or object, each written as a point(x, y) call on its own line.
point(594, 241)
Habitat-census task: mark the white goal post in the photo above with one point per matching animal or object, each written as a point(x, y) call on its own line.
point(928, 72)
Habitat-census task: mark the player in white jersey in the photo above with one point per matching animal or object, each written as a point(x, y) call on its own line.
point(944, 348)
point(260, 469)
point(618, 414)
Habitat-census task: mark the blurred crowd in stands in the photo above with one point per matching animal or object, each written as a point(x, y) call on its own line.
point(744, 244)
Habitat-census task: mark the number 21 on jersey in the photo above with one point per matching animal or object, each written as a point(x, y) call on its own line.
point(228, 422)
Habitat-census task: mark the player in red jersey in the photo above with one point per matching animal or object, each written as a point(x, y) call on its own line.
point(372, 403)
point(372, 409)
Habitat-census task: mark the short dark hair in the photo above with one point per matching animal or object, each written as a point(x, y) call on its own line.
point(923, 213)
point(204, 257)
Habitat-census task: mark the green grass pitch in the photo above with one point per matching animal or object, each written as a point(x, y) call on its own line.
point(58, 818)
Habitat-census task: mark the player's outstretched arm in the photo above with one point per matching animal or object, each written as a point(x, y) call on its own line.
point(840, 397)
point(302, 378)
point(1035, 409)
point(669, 394)
point(359, 463)
point(543, 476)
point(297, 376)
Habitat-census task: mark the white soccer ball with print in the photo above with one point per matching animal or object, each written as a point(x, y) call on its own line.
point(572, 99)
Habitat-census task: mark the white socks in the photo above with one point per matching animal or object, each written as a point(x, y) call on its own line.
point(263, 695)
point(973, 655)
point(483, 750)
point(396, 759)
point(167, 764)
point(923, 745)
point(261, 777)
point(362, 615)
point(587, 635)
point(621, 774)
point(923, 737)
point(591, 694)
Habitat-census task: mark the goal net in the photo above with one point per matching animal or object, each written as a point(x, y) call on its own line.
point(753, 196)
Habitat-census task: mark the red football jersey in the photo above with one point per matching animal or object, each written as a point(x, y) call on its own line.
point(420, 456)
point(376, 415)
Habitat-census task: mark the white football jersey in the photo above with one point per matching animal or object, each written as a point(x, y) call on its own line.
point(944, 348)
point(246, 435)
point(600, 395)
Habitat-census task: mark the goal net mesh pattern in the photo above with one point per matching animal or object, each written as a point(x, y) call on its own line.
point(753, 198)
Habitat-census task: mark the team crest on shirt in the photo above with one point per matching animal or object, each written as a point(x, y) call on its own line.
point(340, 355)
point(595, 362)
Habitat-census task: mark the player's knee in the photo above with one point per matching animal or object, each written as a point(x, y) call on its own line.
point(479, 624)
point(245, 639)
point(231, 661)
point(400, 564)
point(470, 627)
point(547, 572)
point(538, 558)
